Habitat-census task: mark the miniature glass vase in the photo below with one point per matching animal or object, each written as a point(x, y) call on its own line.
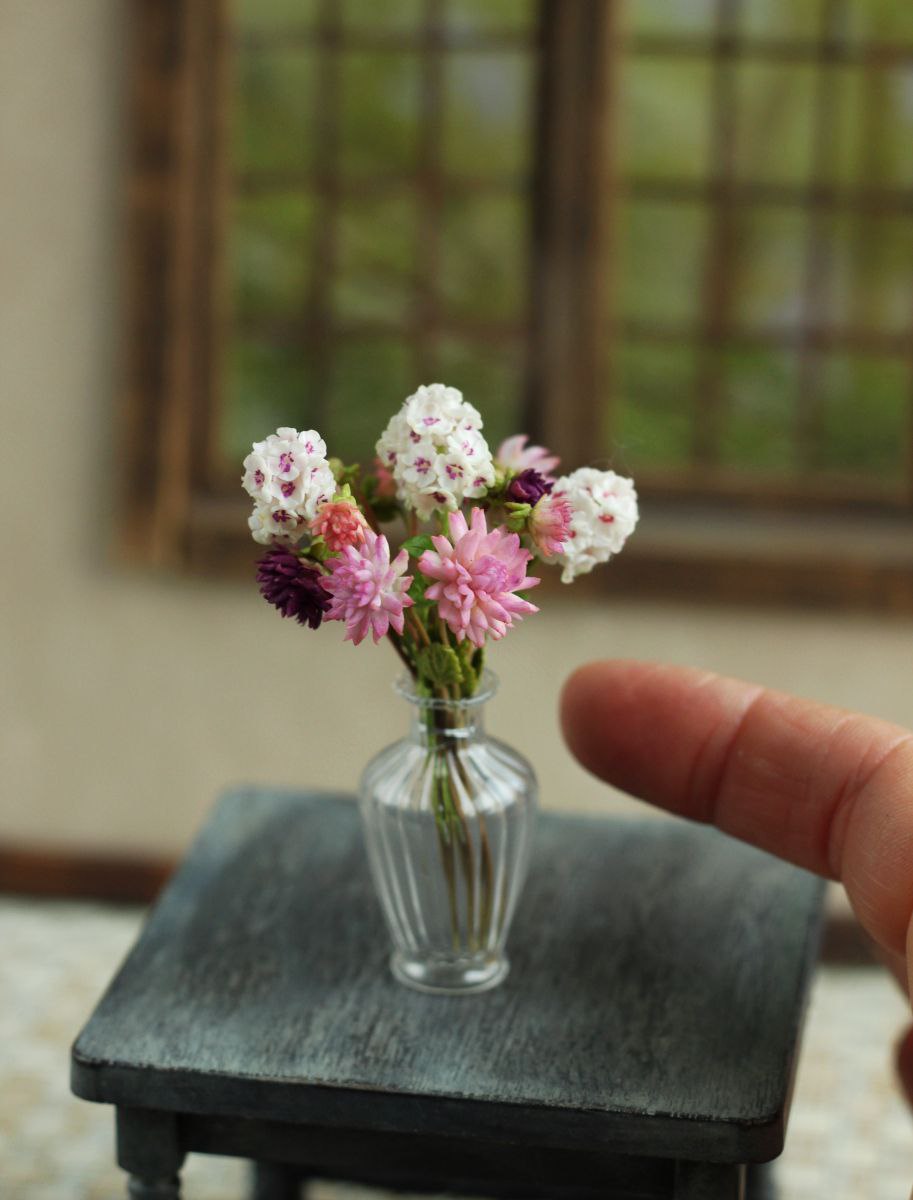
point(448, 815)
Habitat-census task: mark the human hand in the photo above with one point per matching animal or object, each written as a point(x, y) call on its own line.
point(829, 790)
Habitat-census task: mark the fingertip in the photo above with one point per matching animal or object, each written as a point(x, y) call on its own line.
point(585, 697)
point(575, 699)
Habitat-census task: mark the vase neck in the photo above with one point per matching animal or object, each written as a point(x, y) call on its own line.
point(437, 720)
point(446, 725)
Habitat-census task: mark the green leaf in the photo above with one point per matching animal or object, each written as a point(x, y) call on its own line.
point(440, 665)
point(467, 652)
point(344, 473)
point(318, 550)
point(416, 546)
point(416, 594)
point(517, 516)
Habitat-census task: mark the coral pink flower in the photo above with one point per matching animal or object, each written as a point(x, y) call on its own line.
point(477, 574)
point(517, 456)
point(340, 523)
point(550, 524)
point(368, 590)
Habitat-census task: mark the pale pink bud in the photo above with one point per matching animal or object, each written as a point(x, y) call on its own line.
point(550, 524)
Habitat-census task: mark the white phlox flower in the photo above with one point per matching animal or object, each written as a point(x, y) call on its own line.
point(435, 451)
point(288, 478)
point(604, 517)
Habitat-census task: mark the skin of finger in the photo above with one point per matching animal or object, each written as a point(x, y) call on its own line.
point(827, 789)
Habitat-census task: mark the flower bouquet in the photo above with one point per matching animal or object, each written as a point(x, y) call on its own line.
point(448, 811)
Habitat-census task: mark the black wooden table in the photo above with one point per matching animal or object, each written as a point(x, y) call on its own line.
point(643, 1045)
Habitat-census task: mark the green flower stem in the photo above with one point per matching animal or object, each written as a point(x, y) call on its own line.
point(456, 838)
point(466, 849)
point(449, 774)
point(447, 848)
point(486, 861)
point(419, 632)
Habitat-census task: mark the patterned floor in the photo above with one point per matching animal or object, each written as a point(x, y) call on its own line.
point(850, 1134)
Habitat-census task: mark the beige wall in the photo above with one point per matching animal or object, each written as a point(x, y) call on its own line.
point(128, 701)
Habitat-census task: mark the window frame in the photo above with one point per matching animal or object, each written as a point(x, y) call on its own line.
point(173, 514)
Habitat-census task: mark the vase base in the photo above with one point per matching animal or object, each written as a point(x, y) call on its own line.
point(449, 979)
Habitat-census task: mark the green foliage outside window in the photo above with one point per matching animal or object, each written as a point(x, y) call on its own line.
point(379, 291)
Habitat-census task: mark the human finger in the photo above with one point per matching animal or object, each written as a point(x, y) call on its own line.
point(824, 788)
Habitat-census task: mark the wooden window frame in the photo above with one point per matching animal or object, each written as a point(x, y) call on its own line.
point(689, 545)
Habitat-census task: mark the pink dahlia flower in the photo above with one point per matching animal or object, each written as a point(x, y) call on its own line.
point(340, 524)
point(477, 574)
point(550, 524)
point(367, 590)
point(517, 456)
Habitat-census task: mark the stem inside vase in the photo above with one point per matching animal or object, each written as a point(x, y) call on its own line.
point(448, 816)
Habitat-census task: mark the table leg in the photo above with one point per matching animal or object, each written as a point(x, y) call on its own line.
point(760, 1182)
point(709, 1181)
point(149, 1150)
point(274, 1181)
point(153, 1189)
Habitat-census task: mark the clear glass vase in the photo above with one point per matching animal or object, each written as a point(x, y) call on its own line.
point(448, 815)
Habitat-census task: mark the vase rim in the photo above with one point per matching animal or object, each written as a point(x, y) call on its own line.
point(487, 686)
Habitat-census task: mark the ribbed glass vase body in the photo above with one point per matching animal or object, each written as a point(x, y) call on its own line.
point(448, 815)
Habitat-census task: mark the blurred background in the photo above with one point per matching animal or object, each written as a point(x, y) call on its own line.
point(671, 237)
point(674, 237)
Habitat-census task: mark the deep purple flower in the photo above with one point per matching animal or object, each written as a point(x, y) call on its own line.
point(528, 487)
point(292, 586)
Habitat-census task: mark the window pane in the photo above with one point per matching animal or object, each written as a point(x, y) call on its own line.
point(265, 386)
point(254, 16)
point(758, 431)
point(375, 271)
point(270, 253)
point(483, 257)
point(883, 20)
point(886, 102)
point(380, 106)
point(767, 284)
point(845, 124)
point(487, 113)
point(866, 416)
point(652, 418)
point(659, 261)
point(477, 16)
point(781, 18)
point(489, 377)
point(873, 274)
point(664, 118)
point(775, 113)
point(371, 378)
point(400, 15)
point(273, 116)
point(670, 17)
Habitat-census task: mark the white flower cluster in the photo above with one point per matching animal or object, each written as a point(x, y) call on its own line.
point(435, 451)
point(604, 517)
point(287, 476)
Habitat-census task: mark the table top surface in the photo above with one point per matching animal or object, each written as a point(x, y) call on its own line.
point(658, 981)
